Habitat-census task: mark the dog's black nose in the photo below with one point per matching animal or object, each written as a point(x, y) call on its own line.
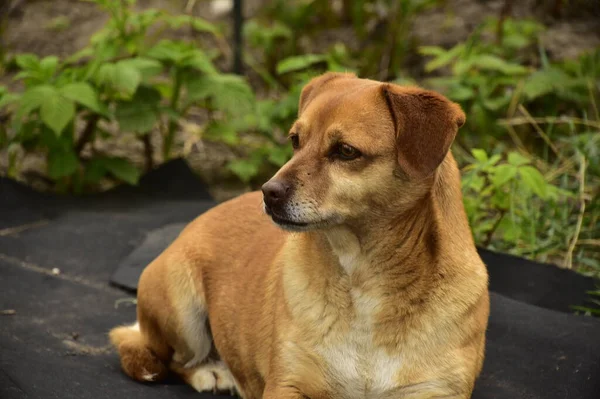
point(275, 191)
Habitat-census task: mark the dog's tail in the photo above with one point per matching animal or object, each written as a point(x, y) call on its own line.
point(137, 359)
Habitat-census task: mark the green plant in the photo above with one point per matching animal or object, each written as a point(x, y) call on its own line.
point(503, 87)
point(259, 138)
point(490, 80)
point(275, 42)
point(533, 191)
point(504, 201)
point(385, 59)
point(482, 75)
point(594, 308)
point(123, 77)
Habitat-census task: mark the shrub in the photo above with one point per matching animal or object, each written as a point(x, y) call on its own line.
point(529, 151)
point(122, 77)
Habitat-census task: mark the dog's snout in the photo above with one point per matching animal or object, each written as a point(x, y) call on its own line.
point(275, 191)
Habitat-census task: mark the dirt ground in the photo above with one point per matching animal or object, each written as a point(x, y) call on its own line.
point(62, 27)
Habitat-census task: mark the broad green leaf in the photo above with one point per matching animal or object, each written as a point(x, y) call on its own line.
point(503, 174)
point(147, 67)
point(126, 78)
point(170, 113)
point(296, 63)
point(82, 93)
point(461, 93)
point(516, 159)
point(47, 138)
point(462, 66)
point(104, 76)
point(83, 53)
point(27, 134)
point(484, 226)
point(178, 21)
point(94, 171)
point(141, 113)
point(122, 169)
point(229, 93)
point(8, 99)
point(545, 81)
point(244, 169)
point(202, 25)
point(27, 61)
point(62, 162)
point(57, 111)
point(494, 159)
point(33, 98)
point(222, 131)
point(165, 50)
point(479, 154)
point(122, 76)
point(49, 65)
point(445, 58)
point(143, 19)
point(493, 63)
point(477, 183)
point(432, 50)
point(534, 180)
point(497, 103)
point(501, 199)
point(511, 231)
point(263, 36)
point(199, 60)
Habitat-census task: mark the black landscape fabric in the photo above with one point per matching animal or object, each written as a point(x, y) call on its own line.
point(68, 267)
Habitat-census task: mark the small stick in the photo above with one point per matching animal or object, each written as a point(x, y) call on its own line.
point(541, 132)
point(569, 255)
point(516, 121)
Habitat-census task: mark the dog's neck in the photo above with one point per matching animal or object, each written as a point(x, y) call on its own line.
point(386, 239)
point(406, 238)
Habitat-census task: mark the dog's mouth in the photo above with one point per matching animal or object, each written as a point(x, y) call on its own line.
point(287, 222)
point(283, 221)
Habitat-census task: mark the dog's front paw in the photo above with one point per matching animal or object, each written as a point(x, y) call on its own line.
point(203, 380)
point(213, 377)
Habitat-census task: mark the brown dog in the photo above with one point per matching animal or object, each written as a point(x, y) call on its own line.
point(378, 292)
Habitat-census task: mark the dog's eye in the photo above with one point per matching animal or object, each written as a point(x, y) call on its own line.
point(295, 141)
point(347, 152)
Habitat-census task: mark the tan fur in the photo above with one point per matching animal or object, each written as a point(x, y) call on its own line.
point(381, 295)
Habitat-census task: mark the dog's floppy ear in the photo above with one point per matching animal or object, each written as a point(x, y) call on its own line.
point(312, 88)
point(426, 123)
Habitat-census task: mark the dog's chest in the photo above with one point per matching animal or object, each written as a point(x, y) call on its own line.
point(355, 365)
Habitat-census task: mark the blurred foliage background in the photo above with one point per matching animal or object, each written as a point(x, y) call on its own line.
point(95, 93)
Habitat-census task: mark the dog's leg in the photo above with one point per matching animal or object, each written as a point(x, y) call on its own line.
point(277, 392)
point(194, 340)
point(195, 333)
point(208, 377)
point(142, 358)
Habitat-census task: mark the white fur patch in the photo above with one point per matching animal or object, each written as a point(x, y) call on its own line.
point(356, 364)
point(192, 316)
point(135, 326)
point(203, 380)
point(147, 376)
point(213, 377)
point(347, 248)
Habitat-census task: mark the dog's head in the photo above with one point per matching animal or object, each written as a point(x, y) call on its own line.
point(361, 148)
